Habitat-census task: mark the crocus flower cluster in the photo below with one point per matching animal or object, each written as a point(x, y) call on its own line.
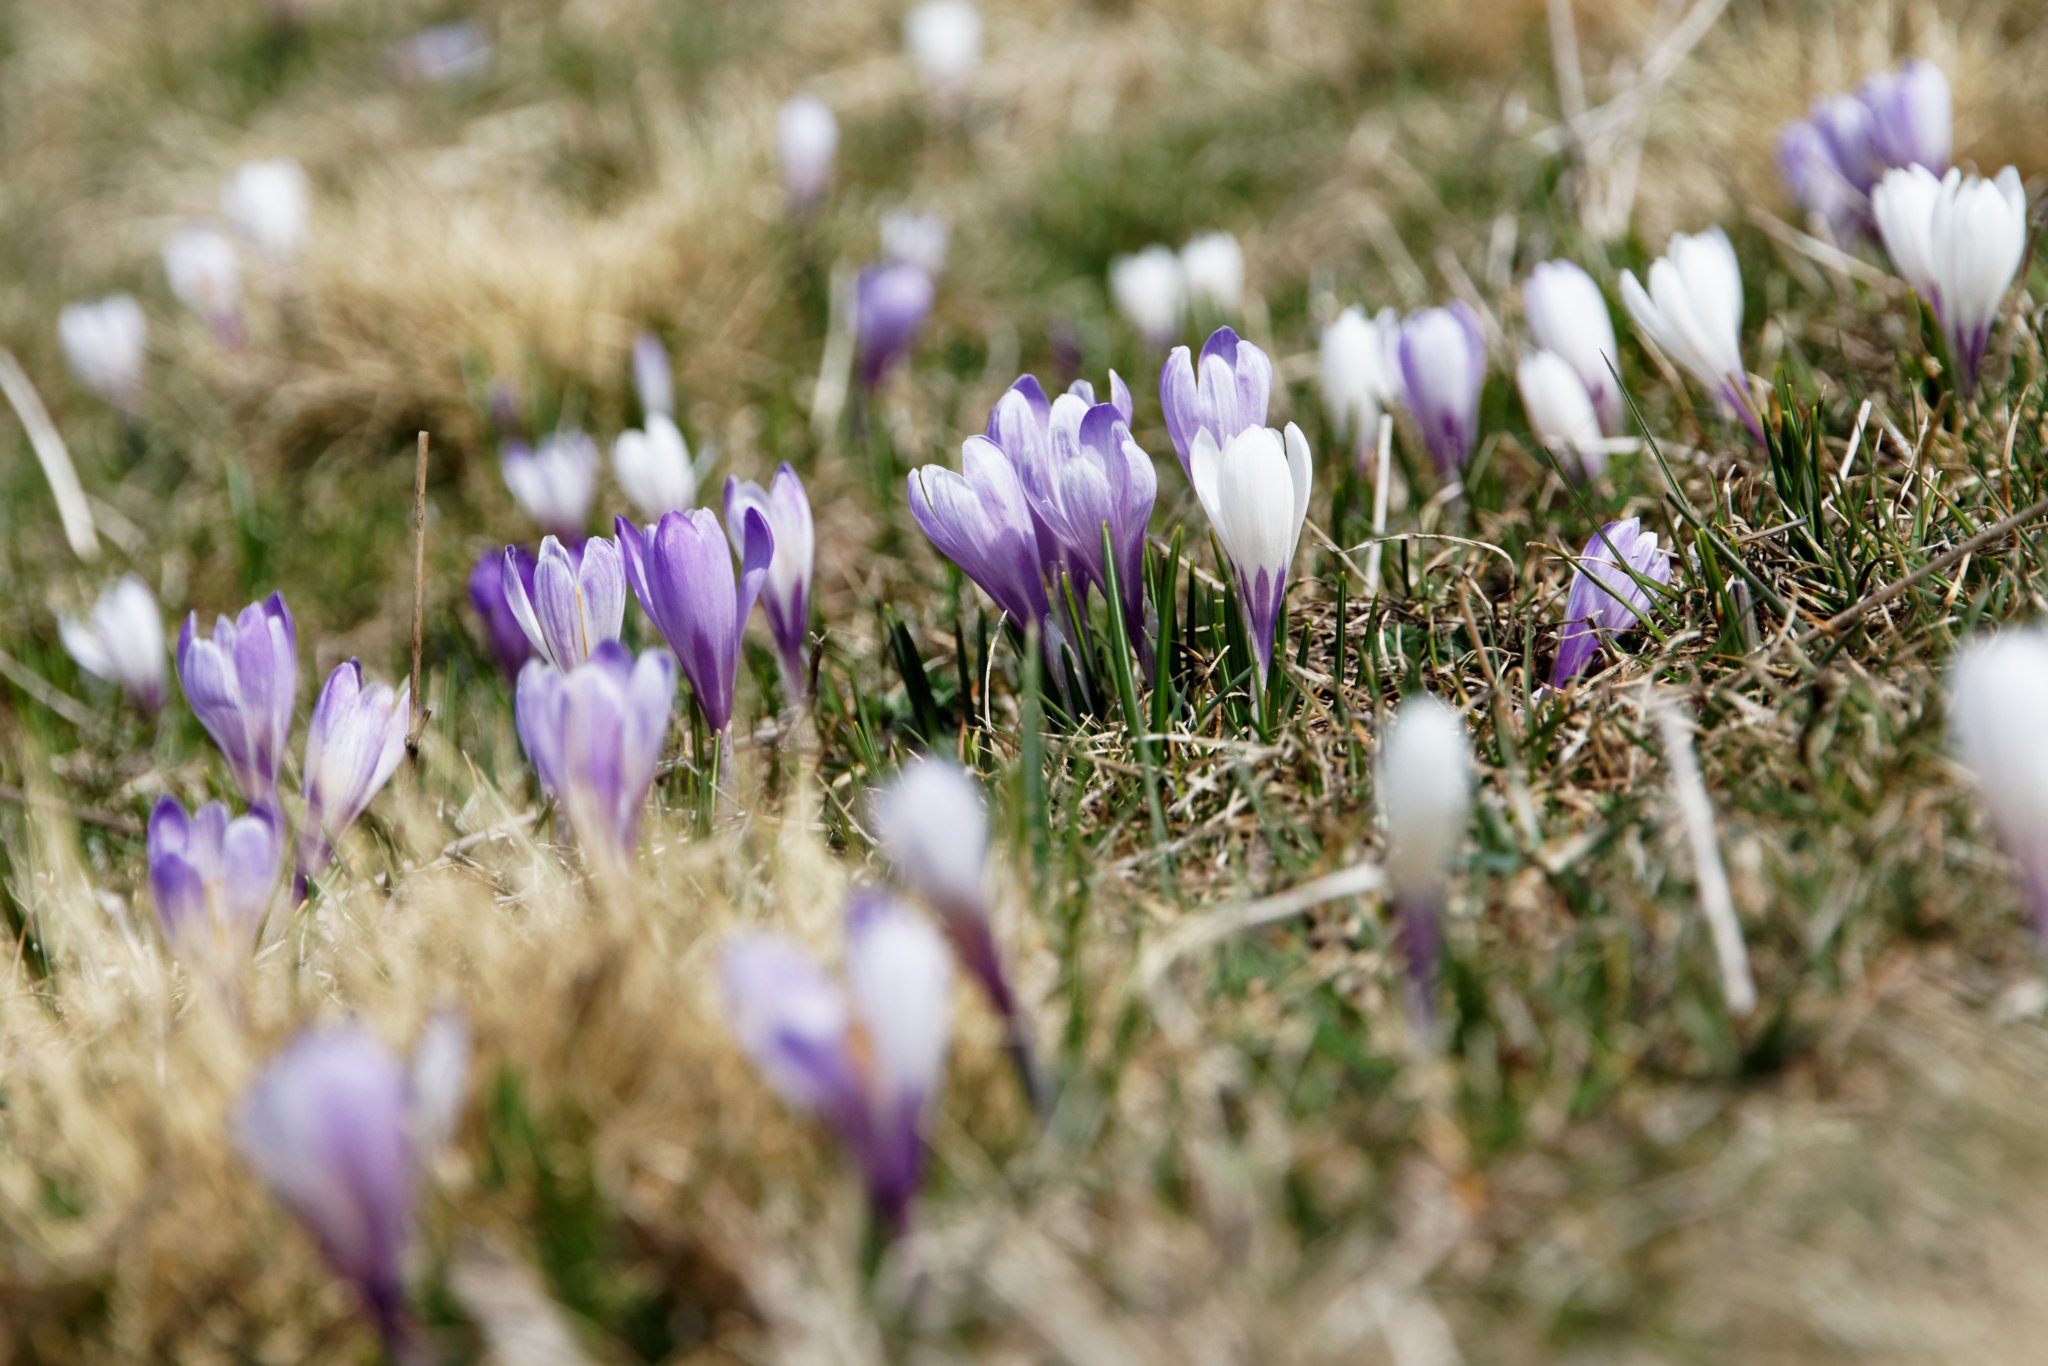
point(1958, 241)
point(1692, 312)
point(568, 602)
point(242, 684)
point(594, 736)
point(353, 744)
point(806, 145)
point(1608, 597)
point(1995, 692)
point(122, 641)
point(213, 878)
point(1361, 375)
point(106, 344)
point(1833, 159)
point(1423, 777)
point(786, 590)
point(1443, 367)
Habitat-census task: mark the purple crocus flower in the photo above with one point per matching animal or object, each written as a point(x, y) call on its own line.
point(867, 1058)
point(681, 570)
point(1605, 601)
point(1806, 161)
point(1223, 392)
point(577, 600)
point(1443, 366)
point(786, 591)
point(594, 736)
point(212, 877)
point(353, 745)
point(556, 483)
point(241, 684)
point(891, 300)
point(1912, 118)
point(502, 631)
point(653, 376)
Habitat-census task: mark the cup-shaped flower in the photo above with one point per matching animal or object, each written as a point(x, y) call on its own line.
point(1958, 241)
point(944, 39)
point(242, 684)
point(1361, 374)
point(269, 204)
point(594, 736)
point(1443, 366)
point(891, 300)
point(493, 606)
point(806, 146)
point(1223, 391)
point(1608, 597)
point(353, 745)
point(654, 468)
point(212, 878)
point(105, 343)
point(916, 239)
point(867, 1058)
point(1255, 490)
point(1561, 413)
point(1151, 290)
point(1912, 116)
point(786, 591)
point(1213, 265)
point(122, 641)
point(1692, 312)
point(205, 274)
point(1568, 317)
point(1423, 778)
point(653, 376)
point(577, 602)
point(1994, 719)
point(681, 570)
point(554, 483)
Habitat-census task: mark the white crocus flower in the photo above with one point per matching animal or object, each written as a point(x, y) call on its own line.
point(1994, 721)
point(106, 343)
point(1561, 412)
point(122, 641)
point(1151, 291)
point(1213, 265)
point(1958, 242)
point(1361, 376)
point(944, 38)
point(1568, 316)
point(1255, 490)
point(1692, 312)
point(653, 467)
point(268, 202)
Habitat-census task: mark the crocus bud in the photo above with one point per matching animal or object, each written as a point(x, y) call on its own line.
point(944, 38)
point(122, 641)
point(1912, 118)
point(556, 483)
point(1424, 780)
point(654, 468)
point(1807, 164)
point(1361, 374)
point(1560, 411)
point(1443, 366)
point(681, 570)
point(1568, 317)
point(212, 878)
point(916, 239)
point(203, 271)
point(1692, 312)
point(241, 685)
point(1958, 242)
point(890, 304)
point(1223, 392)
point(1151, 290)
point(867, 1059)
point(576, 603)
point(653, 376)
point(353, 745)
point(492, 604)
point(1844, 123)
point(105, 344)
point(267, 201)
point(806, 145)
point(1607, 599)
point(1994, 710)
point(1255, 490)
point(786, 591)
point(1213, 265)
point(594, 736)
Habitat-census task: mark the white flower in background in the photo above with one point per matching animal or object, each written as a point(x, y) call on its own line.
point(269, 204)
point(1361, 374)
point(206, 275)
point(556, 483)
point(944, 38)
point(1958, 241)
point(105, 343)
point(1560, 410)
point(1568, 316)
point(1151, 291)
point(1213, 265)
point(122, 641)
point(1692, 312)
point(916, 239)
point(654, 469)
point(806, 146)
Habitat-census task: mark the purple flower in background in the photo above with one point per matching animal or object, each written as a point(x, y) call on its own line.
point(1832, 160)
point(786, 591)
point(867, 1058)
point(122, 641)
point(555, 483)
point(1843, 122)
point(353, 745)
point(916, 239)
point(442, 55)
point(1222, 392)
point(1912, 116)
point(1606, 599)
point(594, 736)
point(1255, 490)
point(212, 878)
point(487, 595)
point(653, 376)
point(577, 600)
point(242, 684)
point(681, 570)
point(891, 300)
point(1443, 366)
point(1808, 167)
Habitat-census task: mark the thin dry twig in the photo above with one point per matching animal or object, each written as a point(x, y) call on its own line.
point(419, 598)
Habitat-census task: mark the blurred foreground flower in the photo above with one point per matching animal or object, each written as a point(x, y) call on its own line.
point(268, 203)
point(1222, 392)
point(806, 145)
point(1255, 490)
point(1443, 367)
point(594, 736)
point(867, 1058)
point(786, 591)
point(1994, 717)
point(944, 39)
point(1151, 290)
point(122, 641)
point(1568, 316)
point(242, 685)
point(1213, 265)
point(1423, 779)
point(1692, 312)
point(681, 571)
point(353, 745)
point(1361, 375)
point(487, 595)
point(556, 483)
point(577, 600)
point(1958, 242)
point(200, 263)
point(891, 300)
point(106, 343)
point(1606, 599)
point(212, 879)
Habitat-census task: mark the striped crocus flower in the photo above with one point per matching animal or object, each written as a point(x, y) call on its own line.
point(786, 591)
point(577, 600)
point(353, 745)
point(1223, 391)
point(492, 605)
point(594, 736)
point(1607, 597)
point(681, 571)
point(242, 683)
point(213, 878)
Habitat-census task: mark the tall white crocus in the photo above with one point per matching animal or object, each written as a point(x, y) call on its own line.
point(1360, 373)
point(1151, 290)
point(1561, 412)
point(944, 38)
point(105, 344)
point(1692, 312)
point(1424, 782)
point(806, 146)
point(1568, 317)
point(1994, 719)
point(1213, 265)
point(204, 272)
point(122, 641)
point(1958, 242)
point(654, 468)
point(1255, 490)
point(269, 203)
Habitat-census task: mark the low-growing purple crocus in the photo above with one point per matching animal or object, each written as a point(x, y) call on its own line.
point(1832, 159)
point(1443, 366)
point(1223, 391)
point(341, 1129)
point(122, 641)
point(353, 745)
point(493, 607)
point(786, 591)
point(867, 1058)
point(213, 878)
point(1912, 116)
point(891, 300)
point(594, 736)
point(242, 684)
point(577, 600)
point(554, 483)
point(1608, 598)
point(681, 570)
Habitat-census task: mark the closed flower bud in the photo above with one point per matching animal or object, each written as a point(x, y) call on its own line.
point(242, 685)
point(1255, 491)
point(681, 571)
point(891, 300)
point(1360, 373)
point(944, 39)
point(786, 591)
point(1958, 242)
point(654, 468)
point(213, 879)
point(353, 745)
point(1443, 368)
point(1213, 265)
point(1912, 117)
point(492, 604)
point(556, 483)
point(1994, 720)
point(577, 602)
point(916, 239)
point(1568, 317)
point(653, 377)
point(268, 203)
point(1222, 392)
point(1692, 312)
point(1150, 289)
point(1560, 411)
point(594, 736)
point(204, 273)
point(122, 641)
point(1424, 781)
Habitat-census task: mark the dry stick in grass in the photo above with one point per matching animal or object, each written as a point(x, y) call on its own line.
point(419, 598)
point(1200, 932)
point(1717, 903)
point(48, 445)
